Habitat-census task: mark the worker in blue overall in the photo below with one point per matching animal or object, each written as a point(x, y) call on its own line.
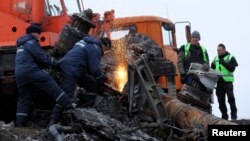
point(29, 64)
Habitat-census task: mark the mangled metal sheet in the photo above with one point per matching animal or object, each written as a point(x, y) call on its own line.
point(207, 76)
point(199, 86)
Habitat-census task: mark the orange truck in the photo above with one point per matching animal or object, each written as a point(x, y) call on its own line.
point(52, 15)
point(15, 16)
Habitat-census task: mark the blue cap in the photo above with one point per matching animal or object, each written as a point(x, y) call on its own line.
point(196, 34)
point(33, 29)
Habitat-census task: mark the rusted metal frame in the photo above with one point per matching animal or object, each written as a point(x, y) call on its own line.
point(149, 88)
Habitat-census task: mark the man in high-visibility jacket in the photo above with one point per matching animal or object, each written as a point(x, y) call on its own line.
point(189, 53)
point(225, 63)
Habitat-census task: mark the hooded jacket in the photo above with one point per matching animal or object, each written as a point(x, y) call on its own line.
point(84, 56)
point(30, 60)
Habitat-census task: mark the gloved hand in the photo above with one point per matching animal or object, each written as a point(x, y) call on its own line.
point(103, 80)
point(183, 78)
point(107, 80)
point(222, 61)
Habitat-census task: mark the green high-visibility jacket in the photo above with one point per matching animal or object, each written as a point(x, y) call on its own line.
point(226, 74)
point(204, 50)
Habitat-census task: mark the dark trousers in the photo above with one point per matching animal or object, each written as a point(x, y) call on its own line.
point(69, 85)
point(222, 90)
point(92, 89)
point(86, 81)
point(46, 85)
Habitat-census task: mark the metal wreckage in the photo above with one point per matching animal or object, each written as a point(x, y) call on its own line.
point(133, 106)
point(142, 111)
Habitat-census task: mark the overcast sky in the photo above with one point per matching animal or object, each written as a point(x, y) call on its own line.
point(218, 21)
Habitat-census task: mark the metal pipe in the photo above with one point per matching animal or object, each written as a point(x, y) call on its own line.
point(37, 11)
point(187, 116)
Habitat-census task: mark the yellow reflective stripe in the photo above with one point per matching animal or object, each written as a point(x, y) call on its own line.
point(204, 54)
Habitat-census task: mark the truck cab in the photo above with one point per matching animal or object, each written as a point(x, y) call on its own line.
point(160, 30)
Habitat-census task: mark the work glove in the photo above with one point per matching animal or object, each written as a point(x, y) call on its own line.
point(222, 61)
point(103, 80)
point(107, 80)
point(102, 84)
point(183, 78)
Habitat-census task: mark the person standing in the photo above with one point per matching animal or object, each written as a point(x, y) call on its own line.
point(29, 63)
point(192, 52)
point(225, 63)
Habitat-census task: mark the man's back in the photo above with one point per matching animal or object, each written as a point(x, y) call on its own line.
point(30, 59)
point(85, 55)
